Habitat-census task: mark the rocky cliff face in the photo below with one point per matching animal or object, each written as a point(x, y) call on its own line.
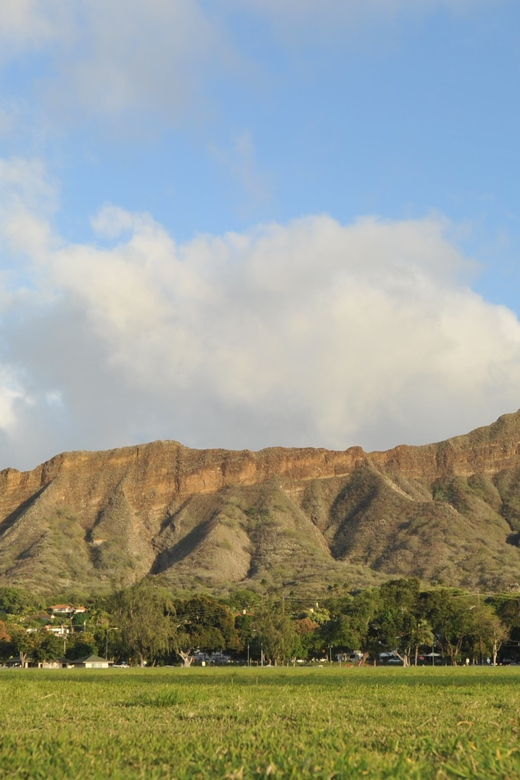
point(303, 518)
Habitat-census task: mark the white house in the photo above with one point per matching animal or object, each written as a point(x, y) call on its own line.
point(91, 662)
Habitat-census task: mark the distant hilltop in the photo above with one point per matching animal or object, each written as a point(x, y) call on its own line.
point(307, 519)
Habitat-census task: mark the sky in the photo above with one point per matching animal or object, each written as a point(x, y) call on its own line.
point(250, 223)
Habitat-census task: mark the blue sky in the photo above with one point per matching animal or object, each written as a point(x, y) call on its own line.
point(246, 223)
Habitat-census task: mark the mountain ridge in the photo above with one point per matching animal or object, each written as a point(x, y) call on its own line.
point(280, 517)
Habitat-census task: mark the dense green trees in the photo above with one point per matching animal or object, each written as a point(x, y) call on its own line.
point(81, 644)
point(22, 642)
point(352, 624)
point(143, 619)
point(145, 624)
point(45, 646)
point(277, 634)
point(201, 623)
point(401, 618)
point(38, 645)
point(15, 601)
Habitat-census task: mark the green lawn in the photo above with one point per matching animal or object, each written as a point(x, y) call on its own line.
point(248, 723)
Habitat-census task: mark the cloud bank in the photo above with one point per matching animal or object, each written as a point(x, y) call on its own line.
point(308, 333)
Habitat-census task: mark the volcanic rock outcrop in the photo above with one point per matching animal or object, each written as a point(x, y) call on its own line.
point(305, 519)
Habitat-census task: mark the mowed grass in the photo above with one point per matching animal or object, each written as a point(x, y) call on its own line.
point(253, 723)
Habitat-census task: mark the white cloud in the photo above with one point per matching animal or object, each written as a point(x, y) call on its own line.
point(114, 57)
point(307, 333)
point(32, 24)
point(25, 182)
point(111, 221)
point(27, 200)
point(135, 53)
point(10, 394)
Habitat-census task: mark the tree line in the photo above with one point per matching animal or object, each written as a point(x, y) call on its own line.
point(146, 624)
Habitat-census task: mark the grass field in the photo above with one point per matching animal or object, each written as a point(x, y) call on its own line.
point(248, 723)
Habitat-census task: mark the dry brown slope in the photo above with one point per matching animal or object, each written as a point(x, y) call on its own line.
point(304, 518)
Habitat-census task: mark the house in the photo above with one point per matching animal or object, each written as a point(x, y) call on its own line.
point(63, 609)
point(50, 663)
point(91, 662)
point(57, 630)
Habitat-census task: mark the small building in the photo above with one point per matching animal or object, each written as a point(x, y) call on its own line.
point(50, 663)
point(57, 630)
point(91, 662)
point(62, 609)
